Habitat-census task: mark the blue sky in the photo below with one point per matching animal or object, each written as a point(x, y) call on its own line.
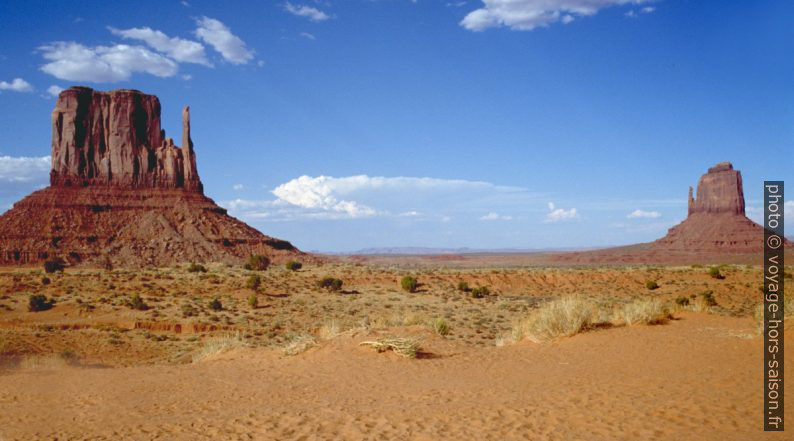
point(346, 124)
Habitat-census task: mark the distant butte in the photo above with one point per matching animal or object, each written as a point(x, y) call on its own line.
point(716, 228)
point(121, 191)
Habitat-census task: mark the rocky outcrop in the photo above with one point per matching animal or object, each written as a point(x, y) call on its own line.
point(715, 230)
point(719, 191)
point(122, 192)
point(114, 138)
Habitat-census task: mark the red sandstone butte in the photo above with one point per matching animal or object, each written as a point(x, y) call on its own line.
point(715, 229)
point(121, 191)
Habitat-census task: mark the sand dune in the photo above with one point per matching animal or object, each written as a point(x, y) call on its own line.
point(695, 378)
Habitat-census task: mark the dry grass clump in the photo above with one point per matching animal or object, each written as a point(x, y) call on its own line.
point(406, 347)
point(219, 345)
point(440, 326)
point(644, 311)
point(559, 318)
point(329, 330)
point(300, 344)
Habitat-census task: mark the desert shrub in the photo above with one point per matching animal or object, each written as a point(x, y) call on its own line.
point(330, 283)
point(257, 262)
point(651, 284)
point(215, 304)
point(253, 282)
point(218, 346)
point(253, 301)
point(714, 272)
point(480, 292)
point(406, 347)
point(294, 265)
point(559, 318)
point(39, 302)
point(299, 344)
point(708, 298)
point(188, 310)
point(439, 326)
point(137, 303)
point(329, 330)
point(54, 265)
point(682, 300)
point(409, 283)
point(196, 268)
point(786, 275)
point(463, 286)
point(647, 311)
point(45, 281)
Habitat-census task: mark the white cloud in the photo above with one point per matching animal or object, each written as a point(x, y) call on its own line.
point(217, 35)
point(16, 85)
point(642, 214)
point(319, 193)
point(309, 12)
point(24, 169)
point(180, 50)
point(558, 214)
point(788, 209)
point(307, 35)
point(238, 187)
point(54, 90)
point(103, 64)
point(525, 15)
point(648, 9)
point(494, 216)
point(362, 196)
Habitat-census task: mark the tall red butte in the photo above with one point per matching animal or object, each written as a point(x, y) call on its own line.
point(716, 229)
point(121, 191)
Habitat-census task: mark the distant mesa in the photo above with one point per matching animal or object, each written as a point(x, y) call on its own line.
point(716, 228)
point(121, 191)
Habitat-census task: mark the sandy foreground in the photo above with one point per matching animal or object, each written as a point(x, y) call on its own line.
point(698, 377)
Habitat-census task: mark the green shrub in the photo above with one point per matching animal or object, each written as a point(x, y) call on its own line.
point(39, 302)
point(714, 272)
point(136, 302)
point(253, 301)
point(45, 280)
point(682, 300)
point(257, 262)
point(409, 283)
point(651, 284)
point(330, 283)
point(708, 298)
point(463, 286)
point(253, 282)
point(54, 265)
point(294, 265)
point(196, 268)
point(480, 292)
point(216, 305)
point(440, 326)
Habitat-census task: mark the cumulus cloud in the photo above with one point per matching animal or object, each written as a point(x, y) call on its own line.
point(494, 216)
point(54, 90)
point(16, 85)
point(362, 196)
point(525, 15)
point(216, 34)
point(559, 214)
point(178, 49)
point(24, 169)
point(642, 214)
point(309, 12)
point(73, 61)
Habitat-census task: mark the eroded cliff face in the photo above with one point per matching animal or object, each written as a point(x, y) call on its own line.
point(115, 139)
point(121, 192)
point(719, 191)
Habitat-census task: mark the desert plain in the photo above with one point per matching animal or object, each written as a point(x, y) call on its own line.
point(182, 352)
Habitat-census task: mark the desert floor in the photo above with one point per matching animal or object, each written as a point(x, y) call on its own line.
point(92, 367)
